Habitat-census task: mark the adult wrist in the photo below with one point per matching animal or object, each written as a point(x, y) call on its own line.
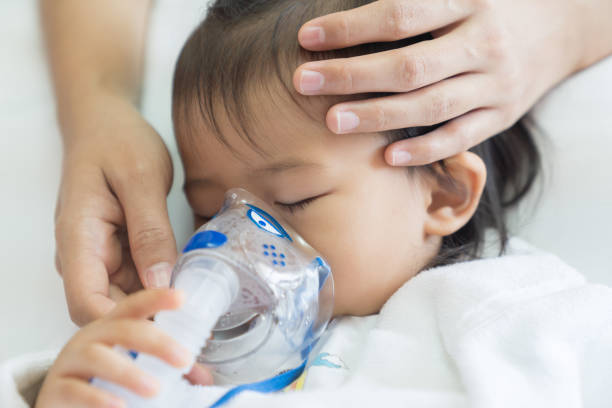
point(81, 111)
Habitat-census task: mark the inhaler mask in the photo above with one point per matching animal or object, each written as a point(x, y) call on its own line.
point(282, 296)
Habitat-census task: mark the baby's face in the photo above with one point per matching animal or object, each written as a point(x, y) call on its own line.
point(363, 216)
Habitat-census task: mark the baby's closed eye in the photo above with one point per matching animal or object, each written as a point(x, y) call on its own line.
point(299, 205)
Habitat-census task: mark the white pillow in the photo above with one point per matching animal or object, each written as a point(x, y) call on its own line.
point(573, 218)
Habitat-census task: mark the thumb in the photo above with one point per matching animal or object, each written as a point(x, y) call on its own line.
point(152, 243)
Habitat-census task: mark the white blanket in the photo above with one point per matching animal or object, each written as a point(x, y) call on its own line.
point(523, 330)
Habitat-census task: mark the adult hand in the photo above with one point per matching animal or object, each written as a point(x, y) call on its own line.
point(112, 223)
point(488, 63)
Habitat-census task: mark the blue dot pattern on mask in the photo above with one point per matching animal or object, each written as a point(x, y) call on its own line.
point(267, 248)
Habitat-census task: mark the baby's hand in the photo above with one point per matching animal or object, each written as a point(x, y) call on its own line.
point(90, 354)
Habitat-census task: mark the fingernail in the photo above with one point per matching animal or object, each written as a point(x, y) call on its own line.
point(347, 121)
point(311, 81)
point(401, 158)
point(312, 36)
point(158, 276)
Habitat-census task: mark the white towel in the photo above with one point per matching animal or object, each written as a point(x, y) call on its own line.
point(523, 330)
point(21, 378)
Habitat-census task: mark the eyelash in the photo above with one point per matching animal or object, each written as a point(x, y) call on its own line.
point(300, 205)
point(292, 208)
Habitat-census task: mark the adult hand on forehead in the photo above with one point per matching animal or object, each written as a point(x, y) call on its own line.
point(488, 63)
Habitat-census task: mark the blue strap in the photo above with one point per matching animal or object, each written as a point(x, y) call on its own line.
point(273, 384)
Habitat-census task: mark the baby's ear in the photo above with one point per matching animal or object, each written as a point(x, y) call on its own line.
point(455, 191)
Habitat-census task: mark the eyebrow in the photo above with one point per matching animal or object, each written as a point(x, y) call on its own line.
point(286, 165)
point(272, 169)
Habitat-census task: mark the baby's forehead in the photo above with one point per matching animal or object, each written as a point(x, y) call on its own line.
point(266, 123)
point(275, 133)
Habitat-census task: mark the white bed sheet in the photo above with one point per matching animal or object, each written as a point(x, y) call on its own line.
point(572, 219)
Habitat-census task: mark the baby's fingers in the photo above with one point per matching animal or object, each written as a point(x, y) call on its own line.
point(143, 337)
point(100, 362)
point(75, 393)
point(147, 303)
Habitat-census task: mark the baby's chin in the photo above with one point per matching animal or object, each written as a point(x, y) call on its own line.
point(357, 306)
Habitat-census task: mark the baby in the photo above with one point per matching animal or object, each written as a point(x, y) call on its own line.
point(488, 332)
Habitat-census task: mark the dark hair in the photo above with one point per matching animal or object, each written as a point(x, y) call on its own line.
point(244, 45)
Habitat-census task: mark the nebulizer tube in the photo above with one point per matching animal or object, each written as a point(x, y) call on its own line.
point(210, 287)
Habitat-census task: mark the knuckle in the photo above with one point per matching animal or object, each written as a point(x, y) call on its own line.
point(345, 77)
point(497, 44)
point(401, 13)
point(440, 109)
point(149, 237)
point(411, 72)
point(344, 28)
point(381, 119)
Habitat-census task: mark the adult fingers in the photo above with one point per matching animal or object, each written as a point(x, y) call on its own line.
point(84, 272)
point(383, 20)
point(424, 107)
point(456, 136)
point(152, 243)
point(88, 248)
point(75, 393)
point(102, 362)
point(126, 277)
point(115, 293)
point(399, 70)
point(87, 293)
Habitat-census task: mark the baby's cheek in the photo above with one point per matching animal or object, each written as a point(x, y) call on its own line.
point(369, 267)
point(359, 278)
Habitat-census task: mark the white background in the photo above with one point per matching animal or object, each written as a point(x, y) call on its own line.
point(573, 219)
